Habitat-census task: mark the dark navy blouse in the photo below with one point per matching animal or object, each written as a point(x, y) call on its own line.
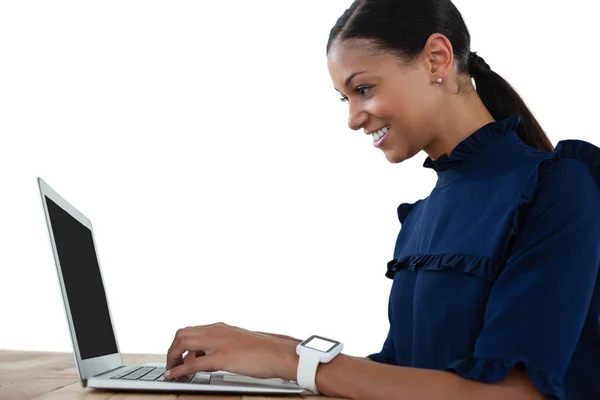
point(498, 266)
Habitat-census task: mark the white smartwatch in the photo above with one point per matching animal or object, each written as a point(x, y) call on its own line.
point(312, 351)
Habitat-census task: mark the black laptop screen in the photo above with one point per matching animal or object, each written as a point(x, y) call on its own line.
point(83, 284)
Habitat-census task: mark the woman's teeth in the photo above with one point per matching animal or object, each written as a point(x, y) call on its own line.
point(380, 133)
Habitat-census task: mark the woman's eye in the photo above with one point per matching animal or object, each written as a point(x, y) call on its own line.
point(363, 90)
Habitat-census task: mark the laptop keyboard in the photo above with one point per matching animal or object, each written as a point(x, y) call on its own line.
point(139, 373)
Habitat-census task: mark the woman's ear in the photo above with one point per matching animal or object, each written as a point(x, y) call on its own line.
point(438, 56)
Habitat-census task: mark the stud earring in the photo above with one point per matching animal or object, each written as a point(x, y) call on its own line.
point(439, 80)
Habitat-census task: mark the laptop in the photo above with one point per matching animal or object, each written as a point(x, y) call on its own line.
point(95, 345)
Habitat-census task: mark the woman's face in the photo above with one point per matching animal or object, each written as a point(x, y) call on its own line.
point(385, 94)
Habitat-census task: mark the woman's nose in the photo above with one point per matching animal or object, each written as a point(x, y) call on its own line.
point(356, 118)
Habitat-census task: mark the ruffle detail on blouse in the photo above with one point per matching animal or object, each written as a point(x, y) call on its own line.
point(584, 151)
point(477, 266)
point(494, 370)
point(471, 144)
point(565, 149)
point(404, 209)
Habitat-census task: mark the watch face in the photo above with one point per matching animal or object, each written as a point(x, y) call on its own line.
point(320, 343)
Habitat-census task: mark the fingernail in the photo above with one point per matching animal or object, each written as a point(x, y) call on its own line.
point(167, 374)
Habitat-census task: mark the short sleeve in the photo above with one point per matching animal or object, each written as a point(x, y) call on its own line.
point(538, 305)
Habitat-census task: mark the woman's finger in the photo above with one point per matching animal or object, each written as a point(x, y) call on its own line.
point(189, 357)
point(204, 363)
point(192, 355)
point(190, 339)
point(191, 343)
point(175, 353)
point(173, 361)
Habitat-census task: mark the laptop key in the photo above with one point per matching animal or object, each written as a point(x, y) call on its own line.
point(138, 374)
point(126, 372)
point(201, 377)
point(181, 379)
point(184, 379)
point(150, 377)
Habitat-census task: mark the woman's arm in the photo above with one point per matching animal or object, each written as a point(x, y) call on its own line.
point(280, 336)
point(297, 341)
point(357, 378)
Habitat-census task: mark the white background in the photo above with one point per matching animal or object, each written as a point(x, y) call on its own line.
point(206, 143)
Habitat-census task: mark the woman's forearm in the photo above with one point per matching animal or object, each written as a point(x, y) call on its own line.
point(355, 378)
point(359, 378)
point(285, 337)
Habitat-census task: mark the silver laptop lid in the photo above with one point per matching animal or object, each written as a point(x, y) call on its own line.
point(86, 306)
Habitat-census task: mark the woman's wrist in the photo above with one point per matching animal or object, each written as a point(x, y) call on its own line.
point(290, 360)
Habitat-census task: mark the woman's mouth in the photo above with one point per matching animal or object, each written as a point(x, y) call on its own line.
point(379, 136)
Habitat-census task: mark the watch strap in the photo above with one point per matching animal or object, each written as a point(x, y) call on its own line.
point(307, 371)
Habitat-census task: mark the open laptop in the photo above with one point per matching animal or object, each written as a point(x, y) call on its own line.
point(95, 345)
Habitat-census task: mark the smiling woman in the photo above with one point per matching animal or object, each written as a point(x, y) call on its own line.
point(510, 301)
point(386, 75)
point(494, 291)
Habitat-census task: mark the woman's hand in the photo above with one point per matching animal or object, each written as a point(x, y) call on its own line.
point(223, 347)
point(298, 341)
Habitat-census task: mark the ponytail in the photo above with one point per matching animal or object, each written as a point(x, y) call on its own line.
point(404, 26)
point(502, 101)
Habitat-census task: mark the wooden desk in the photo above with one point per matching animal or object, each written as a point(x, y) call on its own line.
point(36, 375)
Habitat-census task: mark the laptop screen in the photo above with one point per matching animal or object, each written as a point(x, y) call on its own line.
point(83, 284)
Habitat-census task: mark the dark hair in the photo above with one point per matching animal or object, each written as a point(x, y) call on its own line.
point(402, 27)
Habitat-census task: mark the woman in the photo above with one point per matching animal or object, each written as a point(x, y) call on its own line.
point(494, 274)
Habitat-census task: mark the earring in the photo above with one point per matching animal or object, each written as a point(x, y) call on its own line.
point(439, 80)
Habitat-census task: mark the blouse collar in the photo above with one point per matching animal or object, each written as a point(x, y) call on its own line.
point(474, 142)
